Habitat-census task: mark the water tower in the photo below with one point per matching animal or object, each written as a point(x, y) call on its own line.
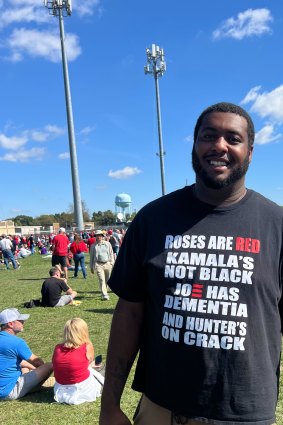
point(123, 205)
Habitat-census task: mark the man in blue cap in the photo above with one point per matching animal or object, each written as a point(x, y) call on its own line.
point(21, 371)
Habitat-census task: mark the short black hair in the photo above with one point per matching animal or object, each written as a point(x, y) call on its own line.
point(53, 271)
point(233, 109)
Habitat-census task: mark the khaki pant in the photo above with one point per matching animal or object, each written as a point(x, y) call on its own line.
point(103, 271)
point(150, 413)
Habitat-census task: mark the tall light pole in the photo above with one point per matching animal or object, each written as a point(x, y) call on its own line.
point(63, 8)
point(156, 66)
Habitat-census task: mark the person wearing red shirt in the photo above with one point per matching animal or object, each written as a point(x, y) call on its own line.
point(91, 240)
point(78, 248)
point(76, 382)
point(60, 245)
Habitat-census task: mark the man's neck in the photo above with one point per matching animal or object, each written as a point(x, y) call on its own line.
point(9, 331)
point(220, 197)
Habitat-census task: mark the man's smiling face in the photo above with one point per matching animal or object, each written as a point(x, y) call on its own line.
point(221, 154)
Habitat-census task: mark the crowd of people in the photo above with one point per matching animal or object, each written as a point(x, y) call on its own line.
point(68, 251)
point(200, 302)
point(77, 377)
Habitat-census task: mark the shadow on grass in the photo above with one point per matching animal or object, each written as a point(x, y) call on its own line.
point(101, 310)
point(38, 278)
point(45, 395)
point(88, 292)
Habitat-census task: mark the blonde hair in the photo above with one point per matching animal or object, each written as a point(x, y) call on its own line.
point(75, 333)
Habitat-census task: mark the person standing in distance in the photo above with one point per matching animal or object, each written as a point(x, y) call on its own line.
point(204, 293)
point(60, 245)
point(101, 260)
point(6, 246)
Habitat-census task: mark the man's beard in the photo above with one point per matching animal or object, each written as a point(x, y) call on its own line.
point(212, 182)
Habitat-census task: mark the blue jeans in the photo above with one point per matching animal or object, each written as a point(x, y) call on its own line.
point(8, 255)
point(79, 260)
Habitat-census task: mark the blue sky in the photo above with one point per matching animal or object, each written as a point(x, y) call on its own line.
point(215, 51)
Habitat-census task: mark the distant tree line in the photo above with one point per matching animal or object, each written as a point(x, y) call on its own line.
point(67, 219)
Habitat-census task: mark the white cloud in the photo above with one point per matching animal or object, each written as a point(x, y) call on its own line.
point(37, 136)
point(266, 104)
point(13, 143)
point(252, 22)
point(16, 11)
point(19, 211)
point(49, 132)
point(125, 173)
point(266, 135)
point(251, 95)
point(41, 43)
point(101, 187)
point(24, 155)
point(189, 139)
point(86, 7)
point(20, 2)
point(23, 16)
point(86, 130)
point(64, 155)
point(54, 131)
point(26, 13)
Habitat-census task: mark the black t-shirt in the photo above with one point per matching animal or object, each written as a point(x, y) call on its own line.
point(51, 291)
point(211, 282)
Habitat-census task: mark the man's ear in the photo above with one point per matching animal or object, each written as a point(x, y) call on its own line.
point(251, 153)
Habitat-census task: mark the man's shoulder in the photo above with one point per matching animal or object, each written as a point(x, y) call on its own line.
point(12, 340)
point(162, 207)
point(261, 201)
point(172, 198)
point(60, 237)
point(4, 334)
point(51, 281)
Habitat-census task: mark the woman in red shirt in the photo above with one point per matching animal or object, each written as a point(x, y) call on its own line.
point(78, 248)
point(76, 382)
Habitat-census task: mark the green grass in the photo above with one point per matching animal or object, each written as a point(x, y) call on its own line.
point(44, 330)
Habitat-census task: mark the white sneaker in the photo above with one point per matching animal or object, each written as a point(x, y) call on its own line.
point(105, 297)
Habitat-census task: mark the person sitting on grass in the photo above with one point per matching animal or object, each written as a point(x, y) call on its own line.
point(21, 371)
point(52, 288)
point(76, 381)
point(22, 253)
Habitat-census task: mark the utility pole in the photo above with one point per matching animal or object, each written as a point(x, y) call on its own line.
point(156, 66)
point(63, 8)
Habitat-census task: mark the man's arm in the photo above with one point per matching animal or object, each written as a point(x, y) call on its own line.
point(90, 352)
point(26, 365)
point(70, 291)
point(123, 346)
point(92, 257)
point(111, 254)
point(34, 361)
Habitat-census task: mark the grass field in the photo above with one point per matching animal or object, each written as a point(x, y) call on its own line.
point(43, 331)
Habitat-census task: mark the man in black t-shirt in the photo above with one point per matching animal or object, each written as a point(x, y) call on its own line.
point(52, 289)
point(200, 302)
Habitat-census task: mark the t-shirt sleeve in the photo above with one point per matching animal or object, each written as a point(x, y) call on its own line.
point(64, 286)
point(128, 277)
point(23, 350)
point(281, 299)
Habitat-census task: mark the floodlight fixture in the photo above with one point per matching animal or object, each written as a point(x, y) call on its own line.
point(55, 5)
point(156, 66)
point(63, 8)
